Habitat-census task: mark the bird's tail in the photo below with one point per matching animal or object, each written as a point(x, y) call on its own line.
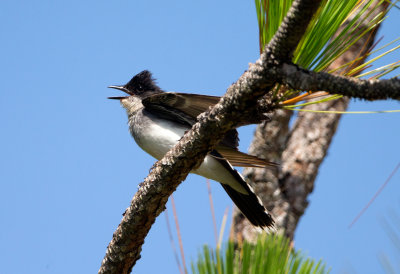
point(248, 203)
point(251, 206)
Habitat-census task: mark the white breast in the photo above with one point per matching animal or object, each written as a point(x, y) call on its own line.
point(157, 136)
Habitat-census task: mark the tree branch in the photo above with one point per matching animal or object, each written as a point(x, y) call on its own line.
point(292, 29)
point(300, 78)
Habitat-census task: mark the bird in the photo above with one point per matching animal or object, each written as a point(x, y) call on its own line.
point(158, 119)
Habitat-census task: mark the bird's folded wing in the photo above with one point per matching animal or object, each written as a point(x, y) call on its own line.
point(184, 108)
point(237, 158)
point(190, 104)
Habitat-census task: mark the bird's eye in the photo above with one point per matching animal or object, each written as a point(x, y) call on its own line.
point(140, 87)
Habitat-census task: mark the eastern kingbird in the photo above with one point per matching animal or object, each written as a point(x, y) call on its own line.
point(157, 121)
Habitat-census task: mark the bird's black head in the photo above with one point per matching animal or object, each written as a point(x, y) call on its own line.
point(142, 82)
point(141, 85)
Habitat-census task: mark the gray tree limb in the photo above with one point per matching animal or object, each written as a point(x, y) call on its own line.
point(373, 89)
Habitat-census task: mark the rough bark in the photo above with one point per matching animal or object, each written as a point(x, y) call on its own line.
point(302, 149)
point(347, 86)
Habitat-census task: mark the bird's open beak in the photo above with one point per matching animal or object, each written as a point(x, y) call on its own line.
point(117, 97)
point(120, 88)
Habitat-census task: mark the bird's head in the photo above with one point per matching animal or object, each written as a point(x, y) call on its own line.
point(139, 87)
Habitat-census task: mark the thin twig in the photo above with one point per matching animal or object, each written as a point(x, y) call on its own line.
point(171, 239)
point(212, 212)
point(222, 229)
point(178, 232)
point(375, 196)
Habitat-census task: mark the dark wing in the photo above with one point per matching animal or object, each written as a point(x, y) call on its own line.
point(190, 104)
point(184, 108)
point(231, 139)
point(237, 158)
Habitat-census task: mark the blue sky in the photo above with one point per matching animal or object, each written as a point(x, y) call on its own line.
point(69, 168)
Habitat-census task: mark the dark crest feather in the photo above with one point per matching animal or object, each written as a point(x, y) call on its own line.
point(143, 84)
